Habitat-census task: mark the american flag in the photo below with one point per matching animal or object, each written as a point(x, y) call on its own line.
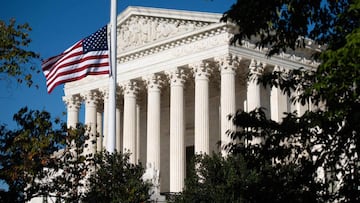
point(89, 56)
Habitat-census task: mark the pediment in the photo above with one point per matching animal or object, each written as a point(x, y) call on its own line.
point(139, 26)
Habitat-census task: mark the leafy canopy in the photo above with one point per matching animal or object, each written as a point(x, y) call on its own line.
point(117, 180)
point(44, 158)
point(285, 24)
point(312, 157)
point(27, 151)
point(15, 60)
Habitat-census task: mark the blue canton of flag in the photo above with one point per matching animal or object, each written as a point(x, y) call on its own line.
point(96, 41)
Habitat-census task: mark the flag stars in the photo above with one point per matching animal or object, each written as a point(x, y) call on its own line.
point(96, 41)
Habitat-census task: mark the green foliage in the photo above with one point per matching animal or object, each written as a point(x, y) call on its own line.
point(116, 180)
point(14, 39)
point(270, 163)
point(284, 24)
point(215, 180)
point(38, 160)
point(24, 153)
point(67, 178)
point(280, 162)
point(334, 86)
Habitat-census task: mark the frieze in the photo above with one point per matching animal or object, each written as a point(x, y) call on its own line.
point(140, 30)
point(205, 40)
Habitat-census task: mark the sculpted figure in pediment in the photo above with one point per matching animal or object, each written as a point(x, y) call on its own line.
point(140, 30)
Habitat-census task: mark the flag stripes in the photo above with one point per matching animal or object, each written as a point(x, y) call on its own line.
point(75, 64)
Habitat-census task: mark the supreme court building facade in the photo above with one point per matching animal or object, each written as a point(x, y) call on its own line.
point(178, 80)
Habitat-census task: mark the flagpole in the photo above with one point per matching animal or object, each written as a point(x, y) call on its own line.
point(111, 137)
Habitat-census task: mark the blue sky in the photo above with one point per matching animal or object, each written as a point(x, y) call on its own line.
point(58, 24)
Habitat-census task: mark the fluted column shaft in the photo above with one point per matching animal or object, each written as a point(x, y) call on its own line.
point(137, 158)
point(99, 129)
point(106, 117)
point(90, 121)
point(297, 106)
point(73, 104)
point(201, 73)
point(177, 131)
point(129, 139)
point(153, 121)
point(118, 127)
point(227, 101)
point(278, 101)
point(253, 92)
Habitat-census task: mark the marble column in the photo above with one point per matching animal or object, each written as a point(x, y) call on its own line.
point(177, 131)
point(99, 126)
point(137, 158)
point(253, 91)
point(153, 121)
point(297, 106)
point(201, 74)
point(73, 104)
point(278, 101)
point(129, 135)
point(91, 101)
point(118, 126)
point(227, 102)
point(105, 94)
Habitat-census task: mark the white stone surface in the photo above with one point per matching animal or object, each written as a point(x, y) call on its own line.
point(130, 120)
point(201, 74)
point(158, 125)
point(177, 130)
point(153, 120)
point(228, 65)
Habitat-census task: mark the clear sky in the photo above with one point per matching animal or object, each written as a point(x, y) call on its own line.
point(58, 24)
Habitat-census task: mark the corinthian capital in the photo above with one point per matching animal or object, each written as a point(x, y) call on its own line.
point(202, 70)
point(177, 77)
point(130, 88)
point(228, 63)
point(91, 97)
point(153, 82)
point(72, 101)
point(256, 67)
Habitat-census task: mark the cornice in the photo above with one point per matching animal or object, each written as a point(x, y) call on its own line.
point(170, 43)
point(168, 13)
point(284, 59)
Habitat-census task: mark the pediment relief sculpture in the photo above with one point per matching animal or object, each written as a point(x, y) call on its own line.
point(140, 30)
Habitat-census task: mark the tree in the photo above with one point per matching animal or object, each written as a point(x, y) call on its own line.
point(334, 129)
point(117, 180)
point(67, 178)
point(44, 158)
point(334, 85)
point(14, 56)
point(286, 24)
point(257, 172)
point(298, 147)
point(26, 152)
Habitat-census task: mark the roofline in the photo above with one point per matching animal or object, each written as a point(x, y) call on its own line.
point(168, 13)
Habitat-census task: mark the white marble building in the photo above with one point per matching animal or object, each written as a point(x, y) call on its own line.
point(178, 79)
